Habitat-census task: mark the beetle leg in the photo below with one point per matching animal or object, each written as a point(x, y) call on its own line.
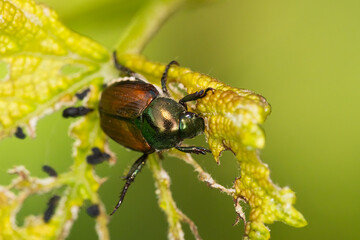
point(193, 149)
point(195, 96)
point(130, 177)
point(164, 76)
point(120, 67)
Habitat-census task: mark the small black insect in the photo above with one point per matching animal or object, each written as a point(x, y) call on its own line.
point(97, 157)
point(19, 133)
point(52, 204)
point(83, 94)
point(49, 170)
point(76, 111)
point(93, 210)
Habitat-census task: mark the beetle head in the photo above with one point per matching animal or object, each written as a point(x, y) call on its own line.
point(191, 125)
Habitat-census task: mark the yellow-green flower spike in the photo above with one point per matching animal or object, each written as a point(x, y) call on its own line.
point(42, 63)
point(233, 117)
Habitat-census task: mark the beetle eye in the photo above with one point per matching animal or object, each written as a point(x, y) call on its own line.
point(188, 115)
point(191, 125)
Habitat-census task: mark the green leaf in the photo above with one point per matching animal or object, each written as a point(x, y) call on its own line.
point(233, 117)
point(80, 183)
point(42, 64)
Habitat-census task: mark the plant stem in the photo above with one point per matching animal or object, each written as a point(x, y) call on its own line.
point(145, 24)
point(166, 201)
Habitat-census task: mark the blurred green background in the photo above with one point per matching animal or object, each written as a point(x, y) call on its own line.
point(303, 56)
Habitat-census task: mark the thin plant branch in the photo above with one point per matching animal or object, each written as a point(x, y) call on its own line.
point(145, 24)
point(167, 203)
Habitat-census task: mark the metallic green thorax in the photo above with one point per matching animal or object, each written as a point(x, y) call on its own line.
point(165, 123)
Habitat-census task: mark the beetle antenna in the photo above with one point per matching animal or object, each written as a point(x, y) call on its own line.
point(165, 74)
point(130, 177)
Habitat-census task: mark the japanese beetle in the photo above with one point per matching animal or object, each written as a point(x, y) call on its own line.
point(136, 115)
